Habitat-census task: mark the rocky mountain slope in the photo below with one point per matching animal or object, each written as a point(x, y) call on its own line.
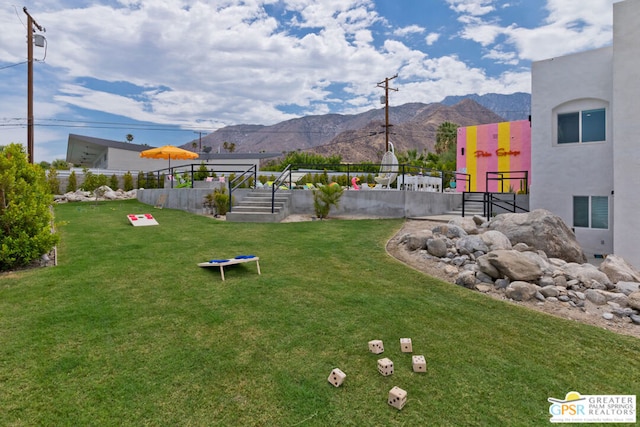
point(360, 137)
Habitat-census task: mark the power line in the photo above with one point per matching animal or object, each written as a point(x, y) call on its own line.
point(13, 65)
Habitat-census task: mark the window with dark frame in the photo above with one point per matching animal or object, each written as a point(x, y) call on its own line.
point(582, 126)
point(591, 212)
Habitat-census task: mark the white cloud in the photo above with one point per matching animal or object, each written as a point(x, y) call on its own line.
point(570, 26)
point(411, 29)
point(481, 32)
point(472, 7)
point(432, 38)
point(502, 57)
point(256, 61)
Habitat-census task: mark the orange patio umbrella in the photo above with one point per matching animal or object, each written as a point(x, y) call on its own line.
point(169, 152)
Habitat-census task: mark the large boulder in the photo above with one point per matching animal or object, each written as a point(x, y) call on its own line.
point(521, 291)
point(466, 279)
point(618, 270)
point(539, 258)
point(471, 244)
point(418, 240)
point(514, 265)
point(634, 300)
point(542, 230)
point(495, 240)
point(587, 274)
point(451, 231)
point(466, 223)
point(595, 297)
point(627, 288)
point(437, 247)
point(485, 266)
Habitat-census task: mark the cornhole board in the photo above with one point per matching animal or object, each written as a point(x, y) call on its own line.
point(138, 220)
point(222, 263)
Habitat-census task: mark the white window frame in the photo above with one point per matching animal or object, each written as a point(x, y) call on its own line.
point(579, 106)
point(590, 212)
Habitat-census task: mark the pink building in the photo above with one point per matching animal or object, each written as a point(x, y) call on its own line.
point(497, 156)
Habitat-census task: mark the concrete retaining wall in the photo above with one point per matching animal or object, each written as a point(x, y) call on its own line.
point(381, 203)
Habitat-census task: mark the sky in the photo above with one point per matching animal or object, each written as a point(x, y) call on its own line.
point(168, 71)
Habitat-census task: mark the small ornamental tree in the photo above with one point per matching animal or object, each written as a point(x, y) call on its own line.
point(25, 218)
point(202, 172)
point(325, 197)
point(72, 183)
point(102, 180)
point(128, 181)
point(53, 181)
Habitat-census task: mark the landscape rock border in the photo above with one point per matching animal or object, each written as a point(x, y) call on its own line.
point(477, 254)
point(100, 193)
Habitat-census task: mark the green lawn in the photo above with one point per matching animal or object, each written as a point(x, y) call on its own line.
point(127, 330)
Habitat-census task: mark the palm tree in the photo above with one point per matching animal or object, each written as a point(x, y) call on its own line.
point(129, 137)
point(229, 146)
point(411, 157)
point(446, 137)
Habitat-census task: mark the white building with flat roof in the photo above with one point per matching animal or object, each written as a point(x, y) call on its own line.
point(585, 139)
point(98, 153)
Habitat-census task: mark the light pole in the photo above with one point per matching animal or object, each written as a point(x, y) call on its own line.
point(30, 24)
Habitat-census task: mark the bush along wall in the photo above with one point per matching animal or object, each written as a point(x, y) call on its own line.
point(25, 215)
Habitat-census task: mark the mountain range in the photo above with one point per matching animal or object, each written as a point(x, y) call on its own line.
point(361, 137)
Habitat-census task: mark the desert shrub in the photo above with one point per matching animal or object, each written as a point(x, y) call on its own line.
point(25, 217)
point(90, 181)
point(128, 181)
point(322, 178)
point(101, 180)
point(306, 178)
point(218, 199)
point(209, 202)
point(342, 180)
point(151, 181)
point(72, 183)
point(202, 173)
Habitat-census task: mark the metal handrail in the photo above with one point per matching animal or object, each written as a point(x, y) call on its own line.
point(507, 175)
point(236, 182)
point(492, 200)
point(465, 200)
point(277, 183)
point(192, 171)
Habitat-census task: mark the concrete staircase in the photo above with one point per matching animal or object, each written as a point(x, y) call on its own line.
point(256, 207)
point(473, 206)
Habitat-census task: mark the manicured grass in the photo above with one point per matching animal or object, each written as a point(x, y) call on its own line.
point(127, 330)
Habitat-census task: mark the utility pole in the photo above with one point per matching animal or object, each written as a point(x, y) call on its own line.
point(200, 137)
point(30, 30)
point(385, 85)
